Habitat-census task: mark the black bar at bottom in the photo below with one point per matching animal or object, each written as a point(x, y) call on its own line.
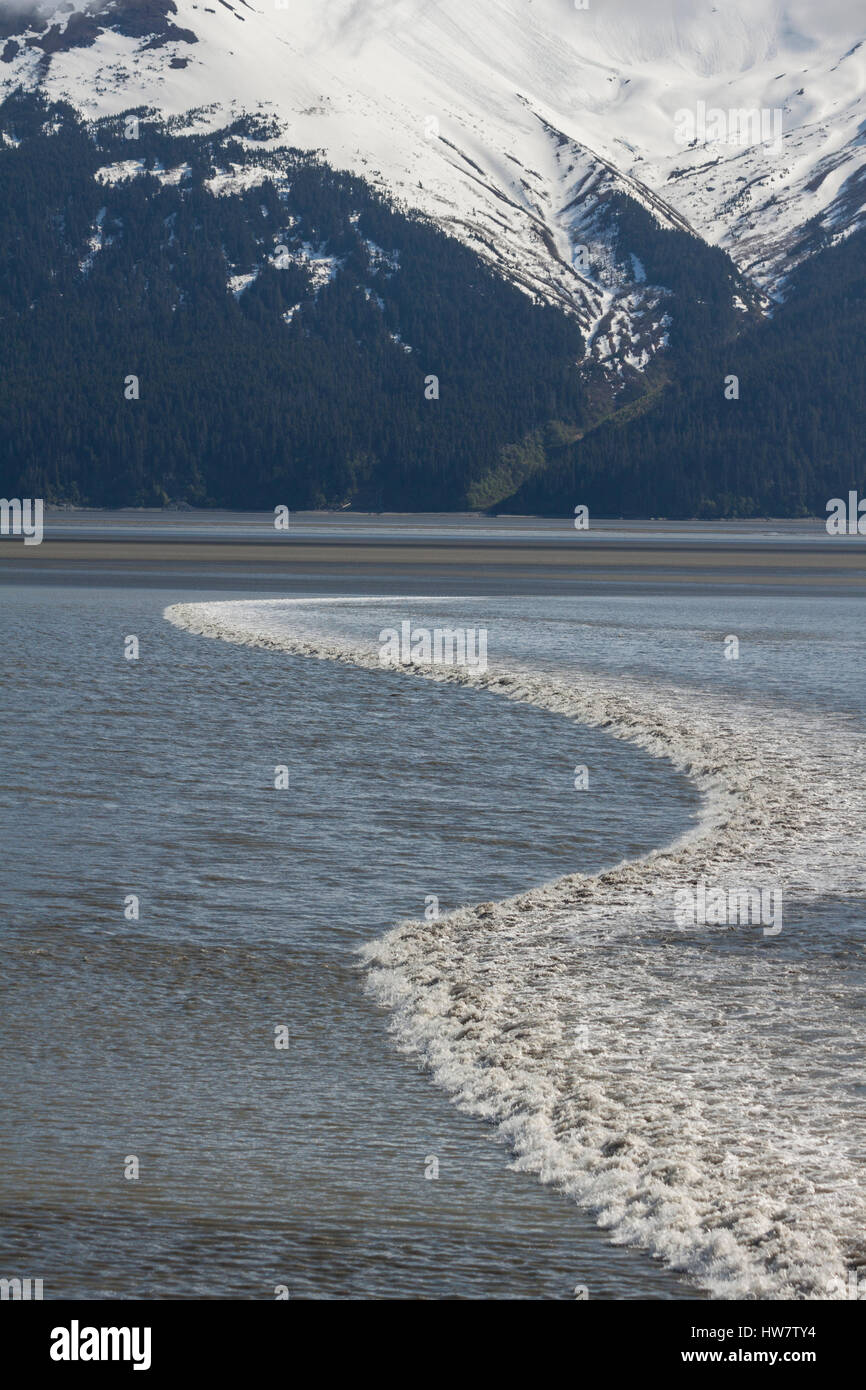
point(307, 1339)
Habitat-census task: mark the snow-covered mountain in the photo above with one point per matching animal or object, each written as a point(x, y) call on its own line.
point(514, 122)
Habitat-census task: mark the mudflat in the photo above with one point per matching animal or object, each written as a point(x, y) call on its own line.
point(504, 565)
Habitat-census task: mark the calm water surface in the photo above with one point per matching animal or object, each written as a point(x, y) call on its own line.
point(154, 1038)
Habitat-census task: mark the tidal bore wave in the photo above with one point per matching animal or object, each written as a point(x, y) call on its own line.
point(699, 1089)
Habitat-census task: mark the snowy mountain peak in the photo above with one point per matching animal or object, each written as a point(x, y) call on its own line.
point(511, 122)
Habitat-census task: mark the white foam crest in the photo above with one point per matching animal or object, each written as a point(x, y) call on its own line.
point(699, 1090)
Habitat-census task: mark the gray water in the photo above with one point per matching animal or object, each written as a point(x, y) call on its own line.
point(262, 1167)
point(305, 1167)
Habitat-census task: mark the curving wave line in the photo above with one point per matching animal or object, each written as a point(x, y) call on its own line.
point(698, 1089)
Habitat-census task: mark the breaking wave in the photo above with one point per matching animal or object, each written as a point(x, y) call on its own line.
point(698, 1089)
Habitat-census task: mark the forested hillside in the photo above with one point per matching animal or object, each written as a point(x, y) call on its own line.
point(215, 320)
point(780, 441)
point(283, 335)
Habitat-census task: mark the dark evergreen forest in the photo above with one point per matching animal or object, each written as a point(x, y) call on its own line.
point(790, 440)
point(299, 389)
point(236, 406)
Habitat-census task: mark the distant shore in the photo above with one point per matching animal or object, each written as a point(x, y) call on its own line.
point(336, 552)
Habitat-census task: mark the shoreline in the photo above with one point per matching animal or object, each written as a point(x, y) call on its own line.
point(571, 563)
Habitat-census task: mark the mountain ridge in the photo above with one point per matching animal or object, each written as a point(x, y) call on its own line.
point(655, 271)
point(456, 110)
